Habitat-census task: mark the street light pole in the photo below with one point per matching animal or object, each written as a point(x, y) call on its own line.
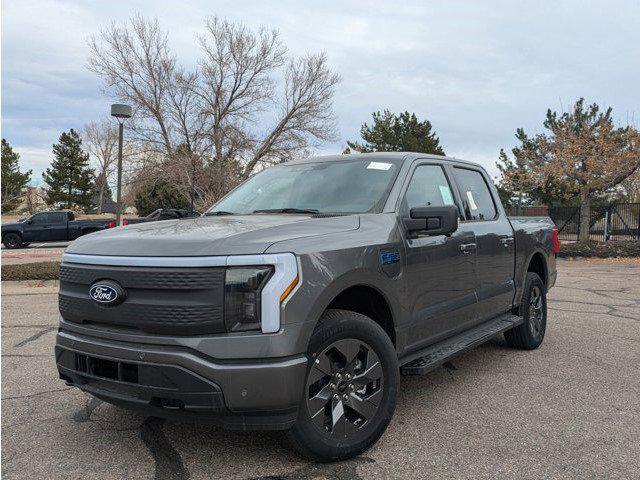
point(121, 112)
point(119, 193)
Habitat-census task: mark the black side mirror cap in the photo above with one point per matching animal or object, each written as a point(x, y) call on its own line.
point(432, 220)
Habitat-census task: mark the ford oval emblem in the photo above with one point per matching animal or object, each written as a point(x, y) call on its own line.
point(107, 293)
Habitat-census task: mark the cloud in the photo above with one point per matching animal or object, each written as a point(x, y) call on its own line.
point(476, 70)
point(35, 159)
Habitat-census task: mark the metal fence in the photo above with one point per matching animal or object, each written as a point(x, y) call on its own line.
point(618, 221)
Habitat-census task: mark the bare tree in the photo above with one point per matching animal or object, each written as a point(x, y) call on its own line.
point(34, 200)
point(306, 114)
point(101, 140)
point(136, 66)
point(217, 123)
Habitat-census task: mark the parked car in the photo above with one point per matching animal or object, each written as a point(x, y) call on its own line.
point(298, 299)
point(162, 214)
point(55, 226)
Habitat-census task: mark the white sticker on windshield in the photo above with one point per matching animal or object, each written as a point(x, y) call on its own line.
point(378, 166)
point(472, 202)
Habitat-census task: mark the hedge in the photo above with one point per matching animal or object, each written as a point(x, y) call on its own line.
point(31, 271)
point(626, 248)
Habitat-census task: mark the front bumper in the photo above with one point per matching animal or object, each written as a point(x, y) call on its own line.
point(178, 382)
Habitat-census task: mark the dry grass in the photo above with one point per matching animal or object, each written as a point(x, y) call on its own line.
point(31, 271)
point(612, 249)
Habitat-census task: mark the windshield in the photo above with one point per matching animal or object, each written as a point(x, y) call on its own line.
point(349, 186)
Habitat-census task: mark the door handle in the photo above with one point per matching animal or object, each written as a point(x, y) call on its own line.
point(507, 242)
point(467, 248)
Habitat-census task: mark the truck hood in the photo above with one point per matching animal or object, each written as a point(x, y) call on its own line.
point(204, 236)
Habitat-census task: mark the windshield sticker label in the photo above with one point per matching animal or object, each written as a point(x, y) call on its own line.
point(445, 193)
point(378, 166)
point(472, 202)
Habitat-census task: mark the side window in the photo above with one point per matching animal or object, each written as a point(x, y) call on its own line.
point(40, 218)
point(58, 217)
point(428, 187)
point(478, 203)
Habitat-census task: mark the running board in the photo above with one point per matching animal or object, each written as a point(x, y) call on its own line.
point(425, 360)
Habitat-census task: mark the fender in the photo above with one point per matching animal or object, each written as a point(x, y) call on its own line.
point(355, 278)
point(521, 275)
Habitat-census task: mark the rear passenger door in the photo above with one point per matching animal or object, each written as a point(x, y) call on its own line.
point(57, 226)
point(495, 251)
point(439, 270)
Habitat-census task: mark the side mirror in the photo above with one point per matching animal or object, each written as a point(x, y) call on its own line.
point(29, 222)
point(433, 220)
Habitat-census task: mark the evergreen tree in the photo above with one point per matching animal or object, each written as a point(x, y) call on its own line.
point(13, 182)
point(70, 179)
point(397, 133)
point(159, 195)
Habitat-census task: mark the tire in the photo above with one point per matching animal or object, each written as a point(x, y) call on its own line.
point(533, 308)
point(12, 240)
point(353, 358)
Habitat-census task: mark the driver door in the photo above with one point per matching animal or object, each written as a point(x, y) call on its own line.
point(440, 270)
point(34, 227)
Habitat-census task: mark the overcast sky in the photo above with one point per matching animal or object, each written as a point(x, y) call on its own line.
point(476, 70)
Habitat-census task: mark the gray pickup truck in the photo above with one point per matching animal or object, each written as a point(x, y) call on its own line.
point(299, 298)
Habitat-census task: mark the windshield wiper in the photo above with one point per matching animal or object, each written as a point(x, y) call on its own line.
point(218, 212)
point(287, 210)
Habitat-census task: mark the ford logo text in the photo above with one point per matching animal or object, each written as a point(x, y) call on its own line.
point(106, 293)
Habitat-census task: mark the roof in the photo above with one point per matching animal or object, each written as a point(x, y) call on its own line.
point(395, 157)
point(108, 205)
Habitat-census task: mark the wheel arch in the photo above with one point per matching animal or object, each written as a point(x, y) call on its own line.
point(368, 300)
point(537, 264)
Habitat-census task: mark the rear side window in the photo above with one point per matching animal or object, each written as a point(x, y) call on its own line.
point(478, 203)
point(428, 187)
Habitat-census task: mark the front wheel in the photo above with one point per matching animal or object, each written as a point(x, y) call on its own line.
point(350, 389)
point(12, 240)
point(533, 308)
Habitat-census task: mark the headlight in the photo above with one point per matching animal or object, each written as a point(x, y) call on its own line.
point(242, 289)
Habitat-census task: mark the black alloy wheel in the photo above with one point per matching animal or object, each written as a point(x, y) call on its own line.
point(350, 389)
point(344, 387)
point(12, 240)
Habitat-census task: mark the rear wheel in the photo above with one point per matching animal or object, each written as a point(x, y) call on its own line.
point(533, 308)
point(350, 389)
point(12, 240)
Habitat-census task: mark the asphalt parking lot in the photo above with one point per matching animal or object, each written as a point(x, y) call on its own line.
point(570, 409)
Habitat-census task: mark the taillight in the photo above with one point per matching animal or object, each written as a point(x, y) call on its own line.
point(111, 224)
point(556, 241)
point(124, 222)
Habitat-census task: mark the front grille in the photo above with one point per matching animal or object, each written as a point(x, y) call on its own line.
point(159, 300)
point(155, 278)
